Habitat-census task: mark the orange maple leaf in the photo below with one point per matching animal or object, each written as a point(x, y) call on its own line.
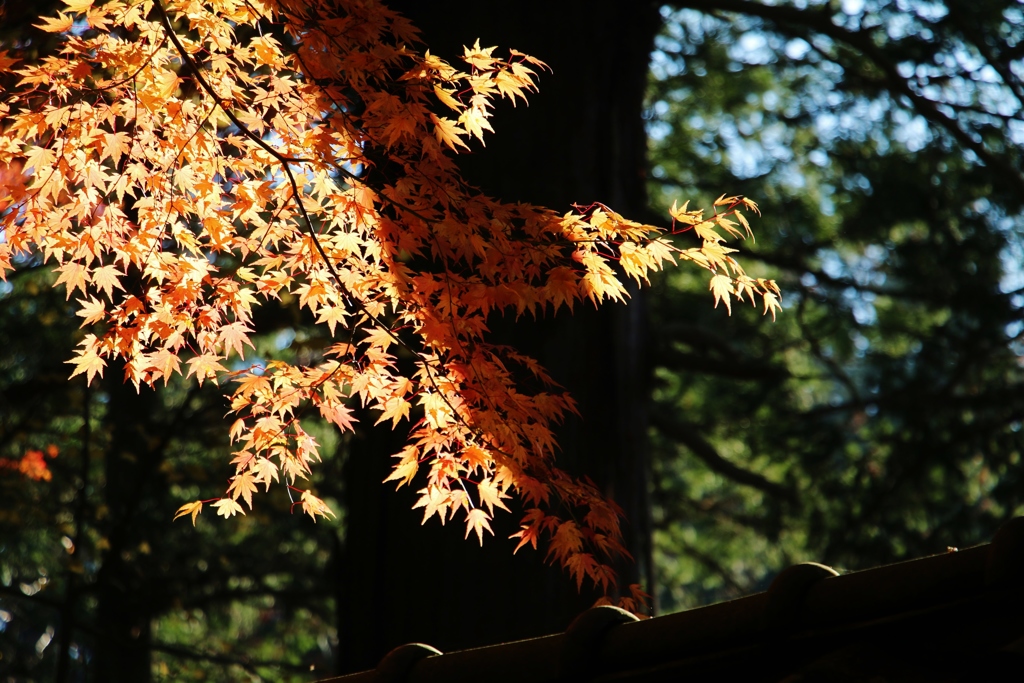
point(193, 192)
point(205, 366)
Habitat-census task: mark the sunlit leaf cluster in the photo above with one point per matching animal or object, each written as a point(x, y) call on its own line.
point(181, 163)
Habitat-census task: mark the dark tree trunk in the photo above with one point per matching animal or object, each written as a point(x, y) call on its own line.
point(580, 140)
point(123, 586)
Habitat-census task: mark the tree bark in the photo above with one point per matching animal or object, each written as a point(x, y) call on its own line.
point(580, 140)
point(123, 584)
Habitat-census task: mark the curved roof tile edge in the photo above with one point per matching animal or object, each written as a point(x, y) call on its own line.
point(953, 602)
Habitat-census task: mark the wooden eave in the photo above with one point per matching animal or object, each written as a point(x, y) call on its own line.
point(958, 616)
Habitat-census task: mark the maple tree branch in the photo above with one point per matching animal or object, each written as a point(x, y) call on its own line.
point(386, 328)
point(130, 77)
point(187, 61)
point(284, 161)
point(440, 294)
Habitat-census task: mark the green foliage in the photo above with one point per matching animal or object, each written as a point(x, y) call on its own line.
point(880, 418)
point(218, 606)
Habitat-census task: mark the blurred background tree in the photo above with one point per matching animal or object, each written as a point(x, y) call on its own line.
point(878, 419)
point(96, 581)
point(373, 586)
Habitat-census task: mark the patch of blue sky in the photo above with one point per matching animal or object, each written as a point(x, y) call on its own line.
point(256, 365)
point(663, 66)
point(276, 174)
point(956, 77)
point(79, 27)
point(284, 339)
point(913, 132)
point(852, 7)
point(1015, 127)
point(797, 49)
point(864, 269)
point(752, 49)
point(658, 130)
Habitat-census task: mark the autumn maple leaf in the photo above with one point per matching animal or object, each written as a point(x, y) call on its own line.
point(478, 521)
point(180, 166)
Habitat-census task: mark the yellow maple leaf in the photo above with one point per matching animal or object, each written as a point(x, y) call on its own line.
point(477, 520)
point(193, 509)
point(446, 98)
point(476, 458)
point(228, 507)
point(166, 83)
point(93, 310)
point(407, 466)
point(394, 408)
point(332, 315)
point(243, 485)
point(475, 122)
point(721, 287)
point(59, 24)
point(448, 132)
point(263, 472)
point(314, 507)
point(234, 337)
point(771, 303)
point(115, 145)
point(434, 500)
point(107, 279)
point(490, 494)
point(88, 362)
point(339, 414)
point(39, 159)
point(78, 5)
point(74, 276)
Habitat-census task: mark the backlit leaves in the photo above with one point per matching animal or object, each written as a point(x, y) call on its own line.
point(192, 509)
point(228, 507)
point(182, 171)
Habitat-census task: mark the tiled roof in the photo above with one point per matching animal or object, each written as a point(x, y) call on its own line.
point(951, 617)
